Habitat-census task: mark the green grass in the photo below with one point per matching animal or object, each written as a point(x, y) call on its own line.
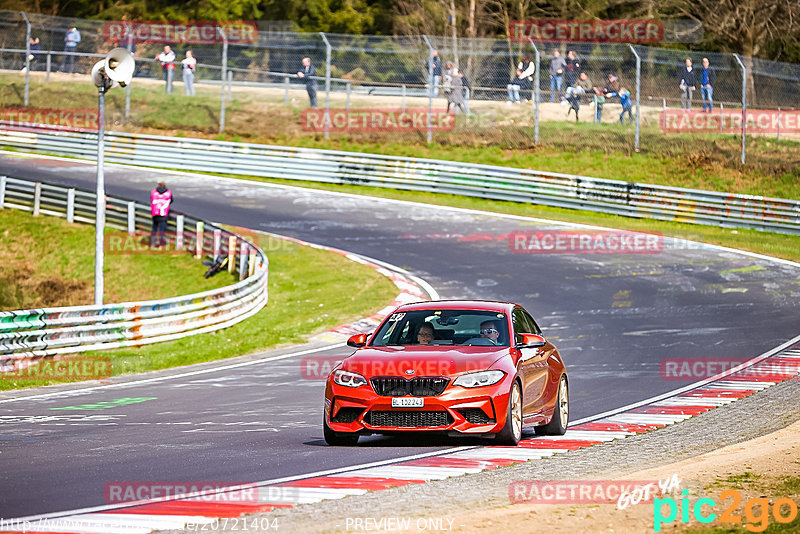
point(701, 161)
point(310, 291)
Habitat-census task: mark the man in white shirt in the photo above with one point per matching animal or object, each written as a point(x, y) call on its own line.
point(167, 60)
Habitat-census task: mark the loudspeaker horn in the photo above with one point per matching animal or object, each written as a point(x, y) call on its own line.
point(119, 66)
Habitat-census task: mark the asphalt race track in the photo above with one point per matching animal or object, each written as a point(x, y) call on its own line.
point(614, 317)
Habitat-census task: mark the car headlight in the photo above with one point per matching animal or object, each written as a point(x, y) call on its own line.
point(346, 378)
point(481, 378)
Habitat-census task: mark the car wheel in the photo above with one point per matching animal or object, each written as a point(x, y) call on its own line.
point(338, 439)
point(512, 432)
point(558, 424)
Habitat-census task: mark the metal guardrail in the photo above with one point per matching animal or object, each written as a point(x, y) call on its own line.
point(417, 174)
point(42, 332)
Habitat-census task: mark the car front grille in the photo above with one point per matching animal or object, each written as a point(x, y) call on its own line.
point(409, 419)
point(348, 414)
point(397, 386)
point(476, 416)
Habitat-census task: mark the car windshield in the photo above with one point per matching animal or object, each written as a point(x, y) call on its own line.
point(443, 327)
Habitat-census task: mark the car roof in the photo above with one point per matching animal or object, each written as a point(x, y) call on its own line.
point(486, 305)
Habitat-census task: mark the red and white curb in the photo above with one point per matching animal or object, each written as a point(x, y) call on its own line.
point(208, 509)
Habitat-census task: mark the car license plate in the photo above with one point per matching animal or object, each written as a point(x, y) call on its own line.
point(408, 402)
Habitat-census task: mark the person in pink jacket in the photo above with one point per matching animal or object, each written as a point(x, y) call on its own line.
point(160, 199)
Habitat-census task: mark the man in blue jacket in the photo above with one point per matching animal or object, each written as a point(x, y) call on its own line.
point(708, 77)
point(71, 40)
point(437, 71)
point(308, 73)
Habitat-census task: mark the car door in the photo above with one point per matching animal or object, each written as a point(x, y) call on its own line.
point(533, 366)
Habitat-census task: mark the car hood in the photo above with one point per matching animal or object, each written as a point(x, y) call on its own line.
point(428, 361)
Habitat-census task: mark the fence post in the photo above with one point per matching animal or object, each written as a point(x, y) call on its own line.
point(230, 86)
point(638, 95)
point(3, 180)
point(198, 240)
point(779, 125)
point(430, 88)
point(403, 99)
point(347, 103)
point(47, 78)
point(128, 87)
point(222, 79)
point(27, 57)
point(37, 198)
point(721, 115)
point(744, 103)
point(251, 263)
point(664, 114)
point(243, 255)
point(327, 85)
point(286, 92)
point(131, 218)
point(217, 243)
point(71, 205)
point(179, 232)
point(536, 90)
point(594, 119)
point(231, 252)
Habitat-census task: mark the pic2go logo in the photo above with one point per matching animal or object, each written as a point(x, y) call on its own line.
point(756, 510)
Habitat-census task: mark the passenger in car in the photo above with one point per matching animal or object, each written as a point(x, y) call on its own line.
point(425, 334)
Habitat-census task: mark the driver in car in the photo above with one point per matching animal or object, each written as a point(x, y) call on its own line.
point(425, 334)
point(489, 331)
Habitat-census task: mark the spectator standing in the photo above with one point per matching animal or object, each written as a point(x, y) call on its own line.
point(626, 102)
point(35, 48)
point(557, 66)
point(160, 200)
point(308, 73)
point(600, 101)
point(167, 60)
point(572, 71)
point(688, 84)
point(466, 89)
point(514, 87)
point(189, 64)
point(708, 77)
point(437, 71)
point(456, 96)
point(447, 77)
point(71, 40)
point(527, 67)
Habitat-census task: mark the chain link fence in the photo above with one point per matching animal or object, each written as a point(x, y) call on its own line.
point(408, 89)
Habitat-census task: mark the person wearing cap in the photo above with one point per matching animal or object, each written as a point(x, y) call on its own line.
point(71, 40)
point(160, 200)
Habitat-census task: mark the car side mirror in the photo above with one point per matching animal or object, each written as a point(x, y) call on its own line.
point(530, 341)
point(357, 341)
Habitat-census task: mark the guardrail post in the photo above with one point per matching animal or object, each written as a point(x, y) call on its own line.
point(49, 59)
point(744, 103)
point(244, 254)
point(179, 232)
point(217, 243)
point(37, 198)
point(286, 92)
point(430, 88)
point(131, 218)
point(199, 240)
point(71, 205)
point(3, 180)
point(536, 92)
point(231, 252)
point(638, 95)
point(251, 263)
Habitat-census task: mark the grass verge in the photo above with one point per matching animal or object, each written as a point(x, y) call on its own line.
point(311, 291)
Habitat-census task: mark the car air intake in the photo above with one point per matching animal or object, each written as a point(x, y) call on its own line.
point(476, 416)
point(409, 418)
point(397, 386)
point(348, 414)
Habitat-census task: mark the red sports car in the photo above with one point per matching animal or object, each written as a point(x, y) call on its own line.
point(466, 368)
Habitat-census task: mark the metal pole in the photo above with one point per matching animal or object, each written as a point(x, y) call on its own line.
point(536, 90)
point(744, 103)
point(721, 116)
point(100, 200)
point(47, 79)
point(327, 84)
point(347, 102)
point(222, 79)
point(230, 86)
point(286, 92)
point(27, 57)
point(128, 87)
point(638, 94)
point(664, 114)
point(403, 98)
point(779, 125)
point(430, 88)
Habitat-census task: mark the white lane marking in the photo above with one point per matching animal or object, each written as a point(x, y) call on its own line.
point(695, 401)
point(507, 453)
point(648, 418)
point(412, 472)
point(589, 435)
